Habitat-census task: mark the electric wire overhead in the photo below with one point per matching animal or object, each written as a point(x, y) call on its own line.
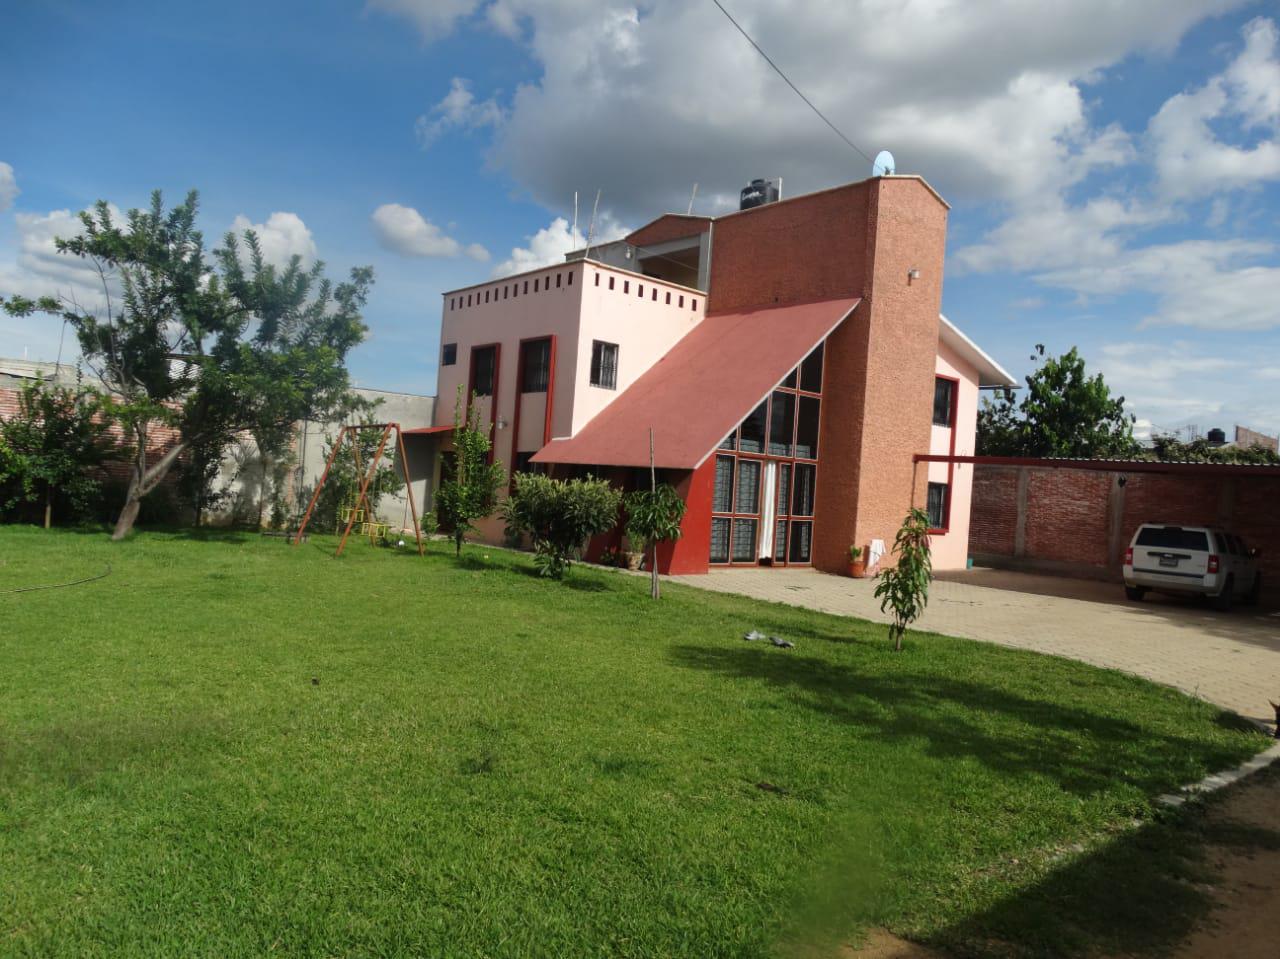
point(835, 129)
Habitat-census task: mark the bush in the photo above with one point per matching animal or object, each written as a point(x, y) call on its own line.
point(559, 516)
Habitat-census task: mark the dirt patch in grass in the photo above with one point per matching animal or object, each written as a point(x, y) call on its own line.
point(1234, 842)
point(1245, 921)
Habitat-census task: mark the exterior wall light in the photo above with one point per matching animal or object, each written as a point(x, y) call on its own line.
point(913, 274)
point(501, 424)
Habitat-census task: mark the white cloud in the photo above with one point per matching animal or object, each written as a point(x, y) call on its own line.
point(1191, 159)
point(283, 236)
point(8, 187)
point(984, 99)
point(458, 110)
point(40, 270)
point(433, 18)
point(1179, 383)
point(552, 242)
point(404, 230)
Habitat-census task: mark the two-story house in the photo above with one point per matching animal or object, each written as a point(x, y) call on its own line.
point(787, 361)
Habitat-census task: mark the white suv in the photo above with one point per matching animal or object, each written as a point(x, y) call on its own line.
point(1191, 559)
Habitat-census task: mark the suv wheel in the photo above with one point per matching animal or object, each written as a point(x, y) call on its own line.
point(1255, 592)
point(1135, 593)
point(1223, 600)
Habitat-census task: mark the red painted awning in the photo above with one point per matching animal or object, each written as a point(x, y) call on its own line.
point(428, 430)
point(695, 395)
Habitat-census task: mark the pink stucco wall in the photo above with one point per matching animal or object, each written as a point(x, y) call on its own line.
point(951, 549)
point(581, 309)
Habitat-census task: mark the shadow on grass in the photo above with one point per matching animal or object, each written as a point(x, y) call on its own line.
point(78, 752)
point(1141, 894)
point(949, 718)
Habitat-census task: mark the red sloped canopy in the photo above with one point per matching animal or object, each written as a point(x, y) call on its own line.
point(428, 430)
point(696, 394)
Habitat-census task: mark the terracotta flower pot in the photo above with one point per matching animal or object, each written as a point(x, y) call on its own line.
point(858, 568)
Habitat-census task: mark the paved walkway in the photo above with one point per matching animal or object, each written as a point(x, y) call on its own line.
point(1230, 659)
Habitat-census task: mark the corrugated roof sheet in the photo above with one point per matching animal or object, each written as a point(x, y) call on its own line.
point(696, 394)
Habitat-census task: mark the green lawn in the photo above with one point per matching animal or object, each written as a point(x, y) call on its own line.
point(230, 747)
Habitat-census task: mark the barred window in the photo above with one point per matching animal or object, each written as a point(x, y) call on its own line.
point(604, 365)
point(449, 354)
point(537, 366)
point(937, 505)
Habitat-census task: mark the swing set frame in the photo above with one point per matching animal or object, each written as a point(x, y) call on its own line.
point(362, 501)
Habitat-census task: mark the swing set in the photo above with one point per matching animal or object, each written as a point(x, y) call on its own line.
point(360, 511)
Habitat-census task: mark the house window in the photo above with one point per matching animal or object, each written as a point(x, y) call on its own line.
point(536, 371)
point(751, 433)
point(597, 279)
point(523, 463)
point(569, 282)
point(604, 365)
point(782, 423)
point(937, 506)
point(526, 287)
point(943, 400)
point(611, 282)
point(811, 371)
point(559, 276)
point(484, 370)
point(807, 428)
point(449, 354)
point(722, 497)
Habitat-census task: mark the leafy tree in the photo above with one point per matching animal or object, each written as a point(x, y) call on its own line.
point(1064, 412)
point(212, 347)
point(53, 447)
point(471, 491)
point(1169, 449)
point(904, 587)
point(653, 517)
point(559, 516)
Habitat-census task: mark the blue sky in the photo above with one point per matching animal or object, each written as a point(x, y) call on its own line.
point(1114, 169)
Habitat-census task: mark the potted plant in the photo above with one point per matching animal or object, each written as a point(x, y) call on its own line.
point(634, 558)
point(857, 565)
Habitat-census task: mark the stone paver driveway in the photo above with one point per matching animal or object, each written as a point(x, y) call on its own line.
point(1230, 659)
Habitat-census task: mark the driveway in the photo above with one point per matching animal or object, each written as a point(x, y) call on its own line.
point(1230, 659)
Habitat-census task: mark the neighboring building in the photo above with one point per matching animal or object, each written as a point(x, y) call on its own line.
point(788, 360)
point(240, 477)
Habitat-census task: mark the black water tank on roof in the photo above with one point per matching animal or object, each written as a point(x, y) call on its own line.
point(758, 193)
point(1217, 437)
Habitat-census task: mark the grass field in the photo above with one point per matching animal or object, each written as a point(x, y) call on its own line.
point(230, 747)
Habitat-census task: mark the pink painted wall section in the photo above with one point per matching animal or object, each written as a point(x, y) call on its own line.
point(646, 318)
point(525, 307)
point(951, 549)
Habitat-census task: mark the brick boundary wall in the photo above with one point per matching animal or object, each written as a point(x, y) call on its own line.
point(161, 438)
point(1079, 522)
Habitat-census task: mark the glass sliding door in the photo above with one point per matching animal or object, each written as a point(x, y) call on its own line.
point(766, 476)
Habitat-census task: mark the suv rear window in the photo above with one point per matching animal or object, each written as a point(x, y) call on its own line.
point(1174, 537)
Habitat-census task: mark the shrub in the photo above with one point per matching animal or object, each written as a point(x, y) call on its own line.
point(559, 516)
point(51, 448)
point(469, 490)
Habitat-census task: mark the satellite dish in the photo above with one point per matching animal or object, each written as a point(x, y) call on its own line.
point(884, 165)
